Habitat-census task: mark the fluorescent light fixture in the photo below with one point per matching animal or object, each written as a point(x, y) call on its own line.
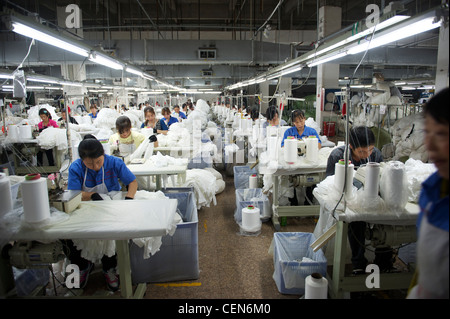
point(6, 76)
point(71, 84)
point(31, 87)
point(46, 38)
point(291, 70)
point(103, 60)
point(327, 59)
point(42, 80)
point(408, 30)
point(378, 27)
point(134, 71)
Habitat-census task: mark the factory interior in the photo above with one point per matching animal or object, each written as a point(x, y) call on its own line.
point(261, 150)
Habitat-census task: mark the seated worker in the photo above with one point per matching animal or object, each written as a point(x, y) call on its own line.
point(177, 113)
point(185, 108)
point(151, 122)
point(361, 151)
point(46, 122)
point(96, 174)
point(125, 140)
point(62, 119)
point(299, 129)
point(94, 112)
point(273, 118)
point(167, 119)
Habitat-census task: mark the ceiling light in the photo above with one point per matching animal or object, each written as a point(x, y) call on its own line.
point(134, 71)
point(408, 30)
point(103, 60)
point(47, 38)
point(34, 79)
point(327, 59)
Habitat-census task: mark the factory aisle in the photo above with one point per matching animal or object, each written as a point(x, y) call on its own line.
point(231, 265)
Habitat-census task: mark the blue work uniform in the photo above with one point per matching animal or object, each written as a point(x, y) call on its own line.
point(307, 131)
point(164, 126)
point(433, 240)
point(113, 169)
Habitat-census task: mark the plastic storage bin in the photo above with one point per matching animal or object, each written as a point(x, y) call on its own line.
point(177, 258)
point(329, 128)
point(290, 272)
point(241, 176)
point(27, 280)
point(255, 197)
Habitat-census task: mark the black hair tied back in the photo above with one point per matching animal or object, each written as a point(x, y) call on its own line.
point(90, 147)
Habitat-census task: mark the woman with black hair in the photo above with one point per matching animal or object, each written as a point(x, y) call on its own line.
point(95, 174)
point(273, 118)
point(46, 122)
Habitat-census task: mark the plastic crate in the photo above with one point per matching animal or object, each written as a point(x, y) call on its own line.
point(27, 280)
point(241, 176)
point(177, 258)
point(289, 271)
point(201, 161)
point(255, 197)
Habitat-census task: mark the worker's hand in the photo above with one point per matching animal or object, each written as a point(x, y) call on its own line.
point(152, 138)
point(155, 131)
point(96, 196)
point(126, 197)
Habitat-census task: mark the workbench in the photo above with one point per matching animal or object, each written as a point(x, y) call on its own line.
point(149, 168)
point(97, 220)
point(337, 226)
point(311, 171)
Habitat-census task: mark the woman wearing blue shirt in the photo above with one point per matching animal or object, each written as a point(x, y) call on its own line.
point(432, 254)
point(300, 130)
point(167, 120)
point(96, 173)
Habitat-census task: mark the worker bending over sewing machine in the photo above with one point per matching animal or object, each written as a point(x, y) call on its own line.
point(125, 140)
point(432, 281)
point(361, 151)
point(299, 130)
point(97, 175)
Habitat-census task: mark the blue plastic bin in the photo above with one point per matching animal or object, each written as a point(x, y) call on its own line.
point(290, 271)
point(241, 176)
point(177, 258)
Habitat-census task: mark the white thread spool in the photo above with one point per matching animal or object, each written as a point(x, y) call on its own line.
point(36, 207)
point(272, 147)
point(5, 195)
point(253, 181)
point(393, 182)
point(312, 149)
point(372, 179)
point(25, 132)
point(251, 221)
point(290, 150)
point(339, 176)
point(316, 287)
point(13, 132)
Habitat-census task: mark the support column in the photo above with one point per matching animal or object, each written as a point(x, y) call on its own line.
point(442, 59)
point(327, 73)
point(285, 87)
point(264, 91)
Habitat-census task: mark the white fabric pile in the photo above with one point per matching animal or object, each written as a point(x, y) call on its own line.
point(33, 113)
point(204, 183)
point(178, 135)
point(106, 118)
point(93, 250)
point(53, 137)
point(407, 137)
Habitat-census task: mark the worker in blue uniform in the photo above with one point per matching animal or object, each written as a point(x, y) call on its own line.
point(97, 175)
point(299, 130)
point(432, 280)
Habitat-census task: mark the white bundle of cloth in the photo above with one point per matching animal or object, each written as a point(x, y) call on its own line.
point(178, 135)
point(33, 113)
point(204, 183)
point(407, 137)
point(93, 250)
point(53, 137)
point(106, 118)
